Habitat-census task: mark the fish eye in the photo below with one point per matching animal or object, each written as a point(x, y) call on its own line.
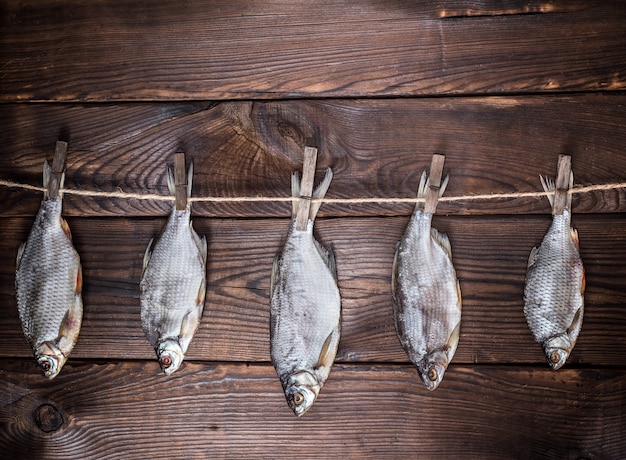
point(45, 366)
point(298, 399)
point(555, 357)
point(432, 374)
point(166, 361)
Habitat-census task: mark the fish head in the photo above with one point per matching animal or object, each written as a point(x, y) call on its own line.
point(432, 368)
point(301, 390)
point(50, 359)
point(557, 350)
point(170, 355)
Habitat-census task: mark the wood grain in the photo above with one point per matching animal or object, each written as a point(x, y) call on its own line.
point(490, 256)
point(130, 410)
point(377, 148)
point(115, 50)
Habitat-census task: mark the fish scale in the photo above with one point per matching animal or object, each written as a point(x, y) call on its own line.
point(553, 294)
point(173, 287)
point(48, 285)
point(426, 295)
point(305, 310)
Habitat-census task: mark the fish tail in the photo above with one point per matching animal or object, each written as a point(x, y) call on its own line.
point(422, 190)
point(295, 193)
point(319, 193)
point(571, 185)
point(189, 179)
point(548, 186)
point(171, 182)
point(47, 174)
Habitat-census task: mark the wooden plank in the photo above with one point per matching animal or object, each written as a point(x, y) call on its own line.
point(490, 256)
point(377, 148)
point(238, 50)
point(130, 410)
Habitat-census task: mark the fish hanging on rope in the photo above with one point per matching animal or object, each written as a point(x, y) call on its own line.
point(48, 279)
point(555, 284)
point(425, 291)
point(305, 311)
point(173, 283)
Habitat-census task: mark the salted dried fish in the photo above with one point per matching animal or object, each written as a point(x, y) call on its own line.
point(48, 284)
point(426, 294)
point(305, 309)
point(555, 285)
point(173, 285)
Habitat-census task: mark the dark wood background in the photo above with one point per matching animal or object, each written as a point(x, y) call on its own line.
point(499, 87)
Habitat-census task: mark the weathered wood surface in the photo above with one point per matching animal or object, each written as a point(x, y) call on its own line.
point(490, 255)
point(241, 88)
point(377, 149)
point(206, 410)
point(118, 50)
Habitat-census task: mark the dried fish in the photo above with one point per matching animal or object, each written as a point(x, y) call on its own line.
point(173, 285)
point(305, 309)
point(426, 294)
point(555, 285)
point(48, 283)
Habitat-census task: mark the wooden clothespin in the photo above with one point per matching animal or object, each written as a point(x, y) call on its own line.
point(180, 182)
point(306, 187)
point(434, 183)
point(562, 184)
point(58, 166)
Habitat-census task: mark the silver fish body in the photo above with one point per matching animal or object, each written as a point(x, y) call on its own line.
point(173, 288)
point(426, 297)
point(305, 313)
point(554, 290)
point(48, 285)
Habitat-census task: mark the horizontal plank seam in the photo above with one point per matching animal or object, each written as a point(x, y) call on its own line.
point(157, 197)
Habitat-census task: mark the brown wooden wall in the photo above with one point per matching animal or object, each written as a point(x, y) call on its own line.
point(499, 87)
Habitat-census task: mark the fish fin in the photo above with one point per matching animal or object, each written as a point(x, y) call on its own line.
point(548, 186)
point(328, 256)
point(332, 266)
point(188, 328)
point(78, 288)
point(203, 249)
point(422, 190)
point(275, 274)
point(453, 341)
point(201, 293)
point(325, 358)
point(394, 270)
point(70, 327)
point(574, 234)
point(189, 179)
point(574, 329)
point(319, 193)
point(442, 240)
point(201, 243)
point(532, 257)
point(66, 228)
point(458, 293)
point(146, 257)
point(20, 254)
point(171, 183)
point(295, 193)
point(583, 283)
point(571, 186)
point(444, 184)
point(47, 171)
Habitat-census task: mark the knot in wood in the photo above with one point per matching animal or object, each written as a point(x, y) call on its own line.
point(48, 418)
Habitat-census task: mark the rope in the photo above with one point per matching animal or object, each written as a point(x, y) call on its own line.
point(241, 199)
